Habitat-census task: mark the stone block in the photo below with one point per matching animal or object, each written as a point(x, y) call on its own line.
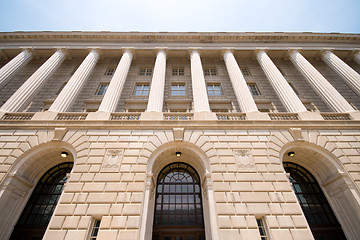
point(76, 234)
point(64, 209)
point(250, 234)
point(230, 234)
point(291, 208)
point(271, 221)
point(240, 208)
point(224, 221)
point(133, 222)
point(107, 234)
point(238, 222)
point(285, 221)
point(81, 209)
point(94, 187)
point(116, 209)
point(97, 210)
point(251, 222)
point(132, 209)
point(105, 222)
point(258, 209)
point(44, 116)
point(152, 116)
point(93, 116)
point(85, 222)
point(299, 221)
point(56, 222)
point(205, 116)
point(301, 234)
point(136, 186)
point(255, 197)
point(262, 186)
point(118, 222)
point(115, 187)
point(257, 116)
point(281, 234)
point(221, 186)
point(128, 235)
point(80, 197)
point(101, 197)
point(71, 222)
point(275, 208)
point(54, 234)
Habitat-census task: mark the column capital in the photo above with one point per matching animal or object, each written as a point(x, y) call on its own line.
point(97, 50)
point(64, 50)
point(265, 49)
point(325, 50)
point(291, 50)
point(129, 49)
point(31, 51)
point(193, 49)
point(162, 49)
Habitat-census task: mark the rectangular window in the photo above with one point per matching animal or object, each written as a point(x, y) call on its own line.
point(110, 71)
point(142, 89)
point(254, 89)
point(95, 229)
point(102, 89)
point(178, 89)
point(245, 71)
point(210, 71)
point(178, 72)
point(214, 90)
point(145, 71)
point(261, 228)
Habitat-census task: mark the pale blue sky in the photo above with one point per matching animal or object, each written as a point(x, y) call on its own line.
point(181, 15)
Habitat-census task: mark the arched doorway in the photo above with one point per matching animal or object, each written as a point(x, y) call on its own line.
point(178, 204)
point(40, 207)
point(318, 213)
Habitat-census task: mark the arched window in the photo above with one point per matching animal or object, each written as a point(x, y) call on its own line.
point(178, 206)
point(40, 207)
point(317, 210)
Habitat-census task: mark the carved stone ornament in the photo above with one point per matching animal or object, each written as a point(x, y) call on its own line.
point(112, 159)
point(244, 158)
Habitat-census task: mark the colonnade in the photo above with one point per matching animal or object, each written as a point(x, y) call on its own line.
point(65, 99)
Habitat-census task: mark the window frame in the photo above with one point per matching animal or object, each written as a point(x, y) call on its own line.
point(254, 89)
point(99, 90)
point(145, 71)
point(213, 90)
point(245, 71)
point(142, 84)
point(210, 71)
point(95, 228)
point(110, 71)
point(178, 90)
point(178, 71)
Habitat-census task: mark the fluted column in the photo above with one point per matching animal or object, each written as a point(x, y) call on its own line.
point(287, 95)
point(29, 89)
point(112, 95)
point(357, 57)
point(330, 95)
point(72, 89)
point(12, 67)
point(241, 90)
point(156, 95)
point(201, 101)
point(344, 70)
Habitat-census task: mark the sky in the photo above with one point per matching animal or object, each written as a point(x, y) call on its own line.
point(181, 15)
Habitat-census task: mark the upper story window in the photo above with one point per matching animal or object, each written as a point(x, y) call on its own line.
point(178, 71)
point(102, 89)
point(210, 71)
point(214, 89)
point(145, 71)
point(261, 228)
point(95, 229)
point(245, 71)
point(142, 89)
point(178, 89)
point(110, 71)
point(254, 89)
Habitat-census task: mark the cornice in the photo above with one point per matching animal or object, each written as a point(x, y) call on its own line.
point(196, 37)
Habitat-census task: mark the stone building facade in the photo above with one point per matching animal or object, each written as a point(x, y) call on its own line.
point(179, 136)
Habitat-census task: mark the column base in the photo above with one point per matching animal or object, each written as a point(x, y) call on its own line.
point(100, 116)
point(257, 116)
point(355, 115)
point(155, 116)
point(206, 116)
point(310, 116)
point(44, 116)
point(2, 114)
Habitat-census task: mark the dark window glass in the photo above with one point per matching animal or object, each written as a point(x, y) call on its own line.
point(178, 206)
point(40, 207)
point(317, 210)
